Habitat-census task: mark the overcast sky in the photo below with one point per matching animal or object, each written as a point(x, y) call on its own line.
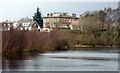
point(16, 9)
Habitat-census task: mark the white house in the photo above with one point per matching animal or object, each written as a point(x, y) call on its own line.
point(28, 24)
point(7, 25)
point(22, 24)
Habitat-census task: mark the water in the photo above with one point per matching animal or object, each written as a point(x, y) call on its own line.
point(104, 60)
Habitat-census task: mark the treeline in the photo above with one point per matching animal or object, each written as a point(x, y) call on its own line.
point(96, 37)
point(95, 30)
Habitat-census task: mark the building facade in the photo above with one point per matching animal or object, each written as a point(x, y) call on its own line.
point(58, 20)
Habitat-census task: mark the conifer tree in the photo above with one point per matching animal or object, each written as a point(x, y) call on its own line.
point(38, 17)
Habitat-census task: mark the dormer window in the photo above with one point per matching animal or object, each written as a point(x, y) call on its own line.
point(26, 24)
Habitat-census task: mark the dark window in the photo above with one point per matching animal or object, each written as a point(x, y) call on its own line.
point(66, 20)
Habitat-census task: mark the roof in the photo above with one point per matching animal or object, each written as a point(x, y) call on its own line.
point(59, 15)
point(74, 23)
point(25, 20)
point(8, 22)
point(62, 17)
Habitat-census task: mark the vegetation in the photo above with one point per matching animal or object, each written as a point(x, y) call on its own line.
point(96, 31)
point(109, 37)
point(102, 17)
point(57, 40)
point(118, 35)
point(38, 18)
point(19, 41)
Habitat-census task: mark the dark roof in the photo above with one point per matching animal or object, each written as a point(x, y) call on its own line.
point(62, 17)
point(7, 22)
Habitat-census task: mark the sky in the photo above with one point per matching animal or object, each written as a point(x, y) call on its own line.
point(13, 10)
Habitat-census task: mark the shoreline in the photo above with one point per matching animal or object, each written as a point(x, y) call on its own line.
point(76, 46)
point(98, 46)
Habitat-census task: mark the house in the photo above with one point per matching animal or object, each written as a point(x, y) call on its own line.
point(7, 25)
point(35, 26)
point(74, 25)
point(22, 24)
point(58, 20)
point(28, 24)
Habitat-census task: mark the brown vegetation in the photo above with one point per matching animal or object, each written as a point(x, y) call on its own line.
point(56, 40)
point(19, 41)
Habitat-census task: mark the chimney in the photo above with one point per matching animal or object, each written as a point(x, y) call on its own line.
point(51, 14)
point(47, 14)
point(64, 14)
point(73, 15)
point(6, 20)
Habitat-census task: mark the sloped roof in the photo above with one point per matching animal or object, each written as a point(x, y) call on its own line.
point(74, 23)
point(59, 15)
point(25, 20)
point(8, 22)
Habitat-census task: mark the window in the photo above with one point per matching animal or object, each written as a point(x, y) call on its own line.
point(9, 24)
point(26, 24)
point(4, 24)
point(55, 20)
point(45, 20)
point(66, 20)
point(71, 20)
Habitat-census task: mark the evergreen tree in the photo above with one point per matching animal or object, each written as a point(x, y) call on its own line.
point(38, 17)
point(102, 17)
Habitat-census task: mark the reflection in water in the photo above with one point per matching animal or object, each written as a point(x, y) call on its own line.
point(88, 58)
point(12, 61)
point(62, 61)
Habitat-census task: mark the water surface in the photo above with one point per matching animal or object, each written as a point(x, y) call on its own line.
point(100, 60)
